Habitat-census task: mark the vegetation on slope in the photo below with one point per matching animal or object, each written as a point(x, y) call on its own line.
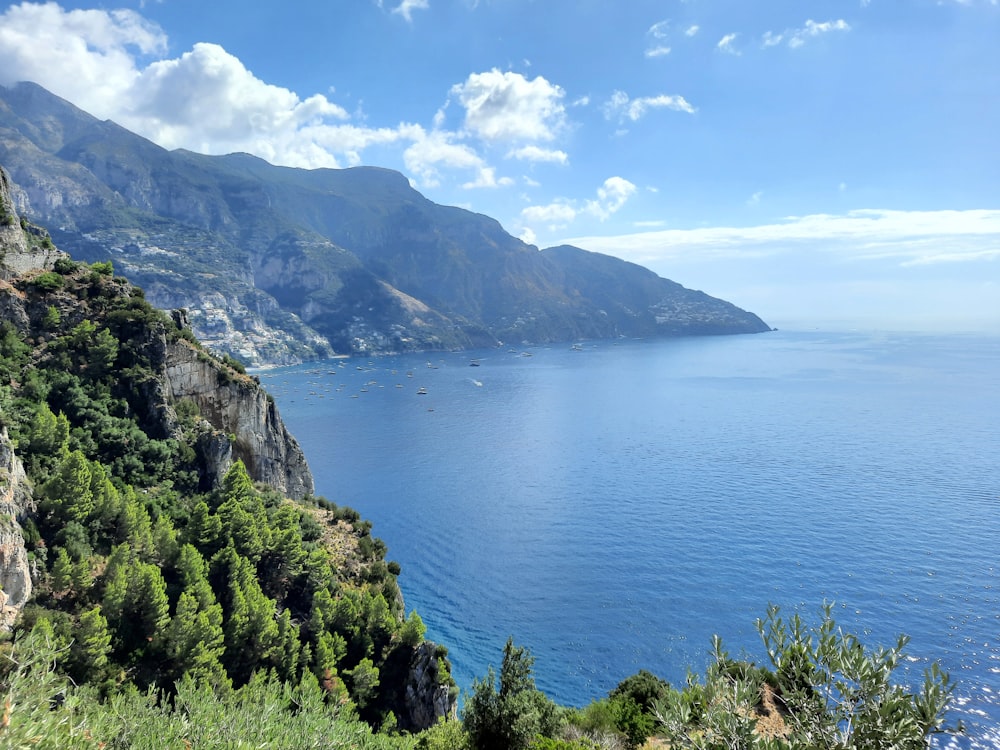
point(142, 579)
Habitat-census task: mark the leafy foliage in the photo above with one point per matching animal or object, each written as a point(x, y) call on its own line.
point(148, 582)
point(829, 690)
point(510, 717)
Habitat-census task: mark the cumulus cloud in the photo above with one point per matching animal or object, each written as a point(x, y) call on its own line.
point(657, 51)
point(224, 107)
point(506, 106)
point(611, 196)
point(205, 100)
point(620, 106)
point(692, 30)
point(432, 151)
point(84, 55)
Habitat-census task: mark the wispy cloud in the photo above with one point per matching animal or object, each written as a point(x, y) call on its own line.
point(537, 154)
point(406, 8)
point(798, 37)
point(621, 107)
point(692, 30)
point(657, 33)
point(906, 237)
point(726, 44)
point(611, 196)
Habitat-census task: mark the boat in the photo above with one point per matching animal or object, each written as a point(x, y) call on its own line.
point(421, 391)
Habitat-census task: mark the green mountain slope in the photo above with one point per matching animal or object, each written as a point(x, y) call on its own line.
point(156, 519)
point(275, 263)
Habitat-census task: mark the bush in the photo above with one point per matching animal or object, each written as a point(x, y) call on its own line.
point(49, 281)
point(832, 692)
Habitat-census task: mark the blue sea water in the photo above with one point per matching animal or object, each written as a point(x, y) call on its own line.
point(612, 507)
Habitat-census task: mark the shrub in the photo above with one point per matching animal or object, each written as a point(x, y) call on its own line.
point(833, 693)
point(49, 281)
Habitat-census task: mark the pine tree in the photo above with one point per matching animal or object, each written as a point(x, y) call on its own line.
point(67, 495)
point(62, 572)
point(88, 658)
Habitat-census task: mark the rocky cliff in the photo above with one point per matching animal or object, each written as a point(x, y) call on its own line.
point(244, 420)
point(240, 420)
point(15, 504)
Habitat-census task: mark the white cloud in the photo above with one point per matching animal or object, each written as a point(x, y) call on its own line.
point(406, 8)
point(907, 237)
point(798, 37)
point(658, 32)
point(621, 106)
point(432, 151)
point(692, 30)
point(770, 39)
point(537, 154)
point(508, 107)
point(657, 51)
point(611, 196)
point(754, 199)
point(83, 55)
point(554, 214)
point(486, 178)
point(726, 44)
point(205, 100)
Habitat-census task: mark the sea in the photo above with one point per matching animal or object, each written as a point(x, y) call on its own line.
point(613, 505)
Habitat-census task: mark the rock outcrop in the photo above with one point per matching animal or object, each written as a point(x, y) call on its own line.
point(427, 697)
point(16, 501)
point(23, 247)
point(244, 419)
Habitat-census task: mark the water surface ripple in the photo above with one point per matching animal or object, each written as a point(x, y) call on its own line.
point(613, 507)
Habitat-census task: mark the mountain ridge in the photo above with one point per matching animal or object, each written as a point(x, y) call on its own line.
point(277, 264)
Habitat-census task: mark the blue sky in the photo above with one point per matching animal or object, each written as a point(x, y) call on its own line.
point(821, 163)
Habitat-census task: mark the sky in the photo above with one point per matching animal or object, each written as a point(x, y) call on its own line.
point(823, 163)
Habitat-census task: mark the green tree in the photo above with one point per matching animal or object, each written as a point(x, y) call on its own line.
point(88, 656)
point(364, 682)
point(511, 717)
point(834, 692)
point(195, 641)
point(251, 628)
point(62, 571)
point(67, 495)
point(413, 630)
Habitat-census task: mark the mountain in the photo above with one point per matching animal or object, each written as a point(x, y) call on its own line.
point(276, 264)
point(157, 522)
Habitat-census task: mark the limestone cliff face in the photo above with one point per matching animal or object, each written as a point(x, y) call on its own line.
point(23, 248)
point(427, 696)
point(16, 501)
point(235, 405)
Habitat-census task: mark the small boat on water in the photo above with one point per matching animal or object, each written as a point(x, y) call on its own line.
point(474, 363)
point(421, 391)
